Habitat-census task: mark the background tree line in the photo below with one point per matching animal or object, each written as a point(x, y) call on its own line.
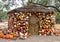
point(6, 5)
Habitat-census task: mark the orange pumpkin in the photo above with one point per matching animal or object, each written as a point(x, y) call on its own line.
point(4, 36)
point(19, 29)
point(42, 33)
point(17, 35)
point(12, 33)
point(1, 35)
point(7, 37)
point(24, 27)
point(40, 29)
point(46, 23)
point(45, 32)
point(28, 13)
point(17, 26)
point(43, 16)
point(47, 29)
point(11, 36)
point(37, 14)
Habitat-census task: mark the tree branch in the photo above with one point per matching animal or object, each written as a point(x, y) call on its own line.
point(48, 6)
point(59, 0)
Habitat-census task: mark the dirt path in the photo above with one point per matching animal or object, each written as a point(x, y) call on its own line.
point(3, 25)
point(35, 39)
point(57, 29)
point(57, 26)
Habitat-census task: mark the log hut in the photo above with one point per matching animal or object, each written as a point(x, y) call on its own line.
point(34, 19)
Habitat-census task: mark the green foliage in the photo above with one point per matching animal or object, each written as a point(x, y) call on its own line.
point(0, 5)
point(7, 7)
point(57, 3)
point(44, 2)
point(59, 0)
point(58, 17)
point(4, 0)
point(3, 15)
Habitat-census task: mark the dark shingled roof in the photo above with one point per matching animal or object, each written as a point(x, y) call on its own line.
point(31, 8)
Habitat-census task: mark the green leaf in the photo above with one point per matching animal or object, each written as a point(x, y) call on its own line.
point(7, 7)
point(3, 15)
point(1, 5)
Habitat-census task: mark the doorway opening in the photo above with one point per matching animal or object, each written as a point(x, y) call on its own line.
point(33, 25)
